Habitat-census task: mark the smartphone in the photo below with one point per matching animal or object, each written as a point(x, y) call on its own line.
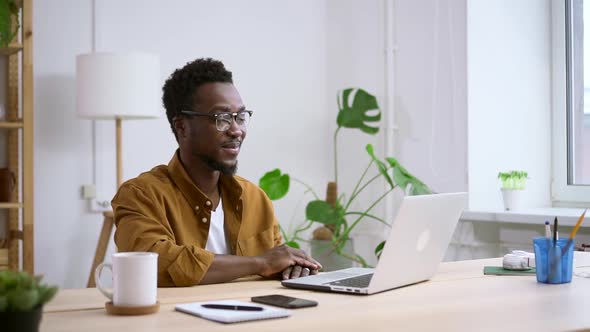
point(284, 301)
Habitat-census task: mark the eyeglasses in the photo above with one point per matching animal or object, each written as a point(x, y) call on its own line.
point(223, 119)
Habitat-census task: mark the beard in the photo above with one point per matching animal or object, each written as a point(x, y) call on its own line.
point(225, 169)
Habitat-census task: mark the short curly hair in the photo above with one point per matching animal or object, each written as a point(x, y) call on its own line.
point(181, 87)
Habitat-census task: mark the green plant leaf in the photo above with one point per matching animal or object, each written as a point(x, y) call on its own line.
point(46, 294)
point(275, 184)
point(7, 31)
point(379, 249)
point(403, 178)
point(324, 213)
point(513, 179)
point(293, 244)
point(23, 292)
point(23, 299)
point(358, 114)
point(380, 165)
point(3, 303)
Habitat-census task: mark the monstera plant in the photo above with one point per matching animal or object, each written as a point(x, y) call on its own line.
point(334, 216)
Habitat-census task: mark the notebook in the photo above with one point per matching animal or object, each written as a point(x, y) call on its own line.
point(231, 316)
point(500, 271)
point(419, 237)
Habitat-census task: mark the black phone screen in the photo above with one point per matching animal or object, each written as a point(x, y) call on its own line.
point(284, 301)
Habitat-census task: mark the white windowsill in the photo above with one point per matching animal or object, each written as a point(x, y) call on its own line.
point(536, 216)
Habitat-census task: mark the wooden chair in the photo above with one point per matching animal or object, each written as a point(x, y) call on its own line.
point(103, 243)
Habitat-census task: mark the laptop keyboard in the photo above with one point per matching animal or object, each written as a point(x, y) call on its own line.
point(357, 282)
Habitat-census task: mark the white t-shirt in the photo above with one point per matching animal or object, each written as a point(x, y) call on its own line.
point(216, 242)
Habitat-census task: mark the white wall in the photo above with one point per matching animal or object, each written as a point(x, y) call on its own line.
point(289, 58)
point(429, 81)
point(64, 233)
point(275, 49)
point(509, 98)
point(431, 91)
point(355, 59)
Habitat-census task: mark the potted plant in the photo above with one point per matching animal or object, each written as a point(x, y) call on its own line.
point(513, 183)
point(335, 216)
point(22, 297)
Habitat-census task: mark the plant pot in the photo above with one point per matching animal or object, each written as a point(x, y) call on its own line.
point(512, 199)
point(26, 321)
point(323, 252)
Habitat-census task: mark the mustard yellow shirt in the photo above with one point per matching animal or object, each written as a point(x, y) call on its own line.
point(163, 211)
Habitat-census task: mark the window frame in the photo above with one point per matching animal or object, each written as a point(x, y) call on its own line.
point(562, 193)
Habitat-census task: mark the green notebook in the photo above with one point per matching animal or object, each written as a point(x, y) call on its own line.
point(500, 271)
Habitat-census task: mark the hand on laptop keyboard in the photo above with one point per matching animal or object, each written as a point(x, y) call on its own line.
point(276, 261)
point(297, 271)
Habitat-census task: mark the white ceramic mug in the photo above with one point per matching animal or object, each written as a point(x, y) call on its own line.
point(135, 279)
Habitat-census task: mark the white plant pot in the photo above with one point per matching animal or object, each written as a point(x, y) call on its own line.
point(512, 199)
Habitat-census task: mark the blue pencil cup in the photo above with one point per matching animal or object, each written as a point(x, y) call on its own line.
point(554, 260)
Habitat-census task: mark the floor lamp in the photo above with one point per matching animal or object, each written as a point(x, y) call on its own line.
point(116, 86)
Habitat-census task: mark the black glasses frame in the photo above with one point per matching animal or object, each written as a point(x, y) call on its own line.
point(216, 116)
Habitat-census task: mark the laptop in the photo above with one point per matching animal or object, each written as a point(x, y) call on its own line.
point(419, 237)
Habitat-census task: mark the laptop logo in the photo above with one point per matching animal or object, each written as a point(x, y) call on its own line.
point(423, 240)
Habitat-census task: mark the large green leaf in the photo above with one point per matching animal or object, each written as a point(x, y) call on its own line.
point(403, 178)
point(358, 114)
point(323, 212)
point(275, 184)
point(380, 165)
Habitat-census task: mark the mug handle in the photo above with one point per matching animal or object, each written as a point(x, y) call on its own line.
point(99, 286)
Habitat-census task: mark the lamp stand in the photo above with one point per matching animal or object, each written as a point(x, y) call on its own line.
point(109, 219)
point(119, 139)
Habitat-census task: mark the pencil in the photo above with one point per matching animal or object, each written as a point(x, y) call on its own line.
point(573, 233)
point(575, 230)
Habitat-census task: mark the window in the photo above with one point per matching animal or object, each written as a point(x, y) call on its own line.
point(571, 102)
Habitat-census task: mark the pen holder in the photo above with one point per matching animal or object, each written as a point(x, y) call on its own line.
point(554, 260)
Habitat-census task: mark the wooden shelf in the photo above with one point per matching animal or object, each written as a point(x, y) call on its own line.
point(11, 49)
point(18, 124)
point(11, 124)
point(3, 257)
point(10, 205)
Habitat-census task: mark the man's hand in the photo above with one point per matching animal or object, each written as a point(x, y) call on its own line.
point(279, 259)
point(297, 271)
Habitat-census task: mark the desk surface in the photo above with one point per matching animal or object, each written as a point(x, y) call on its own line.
point(458, 298)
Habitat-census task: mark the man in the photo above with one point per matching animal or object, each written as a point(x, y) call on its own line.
point(206, 224)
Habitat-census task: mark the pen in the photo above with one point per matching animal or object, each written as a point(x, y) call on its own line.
point(547, 229)
point(231, 307)
point(555, 236)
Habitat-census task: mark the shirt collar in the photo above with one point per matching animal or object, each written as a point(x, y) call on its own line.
point(230, 188)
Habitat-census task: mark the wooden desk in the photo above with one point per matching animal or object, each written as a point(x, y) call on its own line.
point(458, 298)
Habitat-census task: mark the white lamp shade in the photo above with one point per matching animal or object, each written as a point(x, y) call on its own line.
point(112, 85)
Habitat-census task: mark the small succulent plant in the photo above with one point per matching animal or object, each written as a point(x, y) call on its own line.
point(513, 179)
point(20, 291)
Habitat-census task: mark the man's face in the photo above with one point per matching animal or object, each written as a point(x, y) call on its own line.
point(217, 149)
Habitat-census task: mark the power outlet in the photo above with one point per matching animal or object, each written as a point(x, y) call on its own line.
point(88, 191)
point(99, 206)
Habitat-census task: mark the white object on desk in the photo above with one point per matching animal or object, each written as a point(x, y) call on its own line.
point(231, 316)
point(518, 260)
point(135, 279)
